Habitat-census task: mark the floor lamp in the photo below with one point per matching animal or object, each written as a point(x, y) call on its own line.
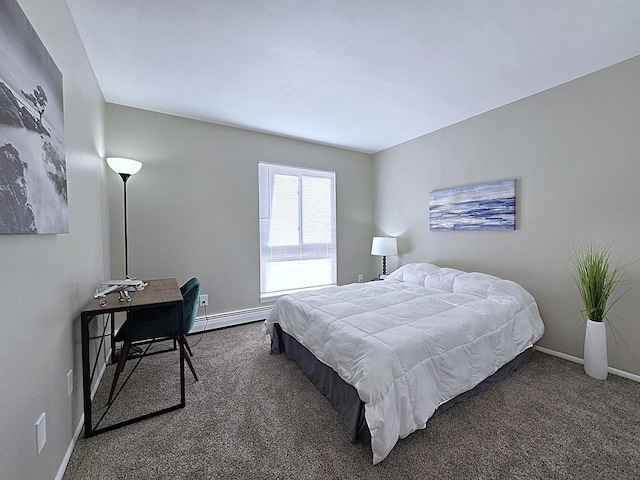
point(383, 246)
point(125, 167)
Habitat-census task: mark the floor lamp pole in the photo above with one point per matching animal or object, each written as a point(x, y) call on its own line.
point(125, 177)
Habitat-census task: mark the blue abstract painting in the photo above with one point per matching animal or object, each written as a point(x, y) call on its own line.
point(484, 206)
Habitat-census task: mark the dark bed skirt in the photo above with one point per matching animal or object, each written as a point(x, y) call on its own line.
point(344, 397)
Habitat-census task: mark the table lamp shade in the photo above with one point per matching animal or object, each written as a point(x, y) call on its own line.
point(384, 246)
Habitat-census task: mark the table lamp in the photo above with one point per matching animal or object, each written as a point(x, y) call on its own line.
point(383, 246)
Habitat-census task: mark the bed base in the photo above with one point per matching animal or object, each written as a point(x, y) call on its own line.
point(344, 397)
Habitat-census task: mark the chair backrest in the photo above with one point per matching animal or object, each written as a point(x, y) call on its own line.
point(190, 299)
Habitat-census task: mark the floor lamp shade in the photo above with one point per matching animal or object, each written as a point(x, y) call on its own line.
point(125, 167)
point(383, 246)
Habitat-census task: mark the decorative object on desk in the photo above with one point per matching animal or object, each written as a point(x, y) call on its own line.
point(129, 285)
point(156, 324)
point(383, 246)
point(485, 206)
point(33, 170)
point(597, 278)
point(125, 167)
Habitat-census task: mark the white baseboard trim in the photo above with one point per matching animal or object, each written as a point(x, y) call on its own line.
point(571, 358)
point(228, 319)
point(100, 375)
point(72, 445)
point(79, 427)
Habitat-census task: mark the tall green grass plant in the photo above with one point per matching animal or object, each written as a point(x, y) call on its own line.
point(597, 277)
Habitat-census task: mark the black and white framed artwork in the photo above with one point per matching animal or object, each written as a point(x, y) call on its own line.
point(33, 171)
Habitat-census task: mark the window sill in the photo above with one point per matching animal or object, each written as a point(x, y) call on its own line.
point(272, 297)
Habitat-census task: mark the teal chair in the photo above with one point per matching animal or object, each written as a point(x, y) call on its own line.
point(159, 324)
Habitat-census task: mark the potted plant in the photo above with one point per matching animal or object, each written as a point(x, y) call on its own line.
point(597, 278)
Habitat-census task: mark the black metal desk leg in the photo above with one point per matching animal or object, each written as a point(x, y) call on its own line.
point(86, 375)
point(181, 342)
point(112, 318)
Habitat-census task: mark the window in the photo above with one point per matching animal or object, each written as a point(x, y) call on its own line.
point(297, 229)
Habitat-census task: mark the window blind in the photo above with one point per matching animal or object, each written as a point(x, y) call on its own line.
point(297, 229)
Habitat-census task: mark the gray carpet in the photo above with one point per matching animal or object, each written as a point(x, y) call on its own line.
point(253, 415)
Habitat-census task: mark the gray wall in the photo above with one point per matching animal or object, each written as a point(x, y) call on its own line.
point(574, 151)
point(193, 211)
point(193, 208)
point(46, 280)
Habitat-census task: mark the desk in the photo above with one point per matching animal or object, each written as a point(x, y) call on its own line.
point(158, 293)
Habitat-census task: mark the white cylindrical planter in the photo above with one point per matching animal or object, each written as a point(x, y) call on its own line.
point(595, 350)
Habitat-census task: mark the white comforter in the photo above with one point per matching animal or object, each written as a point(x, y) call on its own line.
point(413, 341)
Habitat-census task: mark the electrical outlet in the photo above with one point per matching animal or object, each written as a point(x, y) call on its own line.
point(70, 383)
point(360, 278)
point(204, 300)
point(41, 432)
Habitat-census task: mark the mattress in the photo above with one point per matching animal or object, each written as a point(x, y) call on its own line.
point(413, 341)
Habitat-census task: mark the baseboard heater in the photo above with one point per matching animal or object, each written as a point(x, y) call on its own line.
point(227, 319)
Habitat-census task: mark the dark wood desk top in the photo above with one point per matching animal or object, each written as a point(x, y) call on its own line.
point(156, 293)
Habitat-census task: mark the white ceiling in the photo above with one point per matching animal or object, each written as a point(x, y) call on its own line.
point(360, 74)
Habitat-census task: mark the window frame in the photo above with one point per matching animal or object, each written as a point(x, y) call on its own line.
point(302, 251)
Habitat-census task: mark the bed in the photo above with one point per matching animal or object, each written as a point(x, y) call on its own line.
point(390, 354)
